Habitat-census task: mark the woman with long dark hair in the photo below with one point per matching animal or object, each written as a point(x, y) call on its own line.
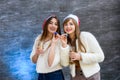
point(50, 51)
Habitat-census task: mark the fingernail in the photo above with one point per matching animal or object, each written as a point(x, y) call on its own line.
point(55, 33)
point(66, 35)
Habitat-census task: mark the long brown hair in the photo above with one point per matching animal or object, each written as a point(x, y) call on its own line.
point(45, 27)
point(81, 47)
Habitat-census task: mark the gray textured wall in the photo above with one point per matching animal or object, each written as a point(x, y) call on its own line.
point(21, 20)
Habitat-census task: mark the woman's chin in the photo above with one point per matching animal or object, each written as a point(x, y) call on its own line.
point(68, 32)
point(52, 31)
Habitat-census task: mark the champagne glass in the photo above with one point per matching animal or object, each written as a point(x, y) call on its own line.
point(40, 47)
point(72, 49)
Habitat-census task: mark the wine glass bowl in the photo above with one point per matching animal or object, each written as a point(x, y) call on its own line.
point(72, 49)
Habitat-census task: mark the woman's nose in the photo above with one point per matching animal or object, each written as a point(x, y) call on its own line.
point(53, 24)
point(67, 26)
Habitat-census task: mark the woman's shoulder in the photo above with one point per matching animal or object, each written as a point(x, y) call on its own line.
point(87, 36)
point(38, 37)
point(85, 33)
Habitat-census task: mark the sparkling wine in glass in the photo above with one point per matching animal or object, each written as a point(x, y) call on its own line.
point(40, 46)
point(72, 49)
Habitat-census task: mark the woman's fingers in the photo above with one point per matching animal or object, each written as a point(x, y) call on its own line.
point(56, 35)
point(64, 37)
point(73, 55)
point(39, 51)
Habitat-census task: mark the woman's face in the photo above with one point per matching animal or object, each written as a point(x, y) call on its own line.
point(69, 27)
point(52, 26)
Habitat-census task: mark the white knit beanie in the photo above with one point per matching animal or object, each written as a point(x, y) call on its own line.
point(73, 17)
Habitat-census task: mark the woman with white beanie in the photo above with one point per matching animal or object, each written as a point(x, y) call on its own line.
point(85, 52)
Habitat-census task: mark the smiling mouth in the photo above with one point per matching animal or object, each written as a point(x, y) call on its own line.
point(52, 29)
point(68, 30)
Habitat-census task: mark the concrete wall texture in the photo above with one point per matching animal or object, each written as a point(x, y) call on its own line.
point(21, 21)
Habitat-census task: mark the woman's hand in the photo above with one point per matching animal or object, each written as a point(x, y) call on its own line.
point(55, 38)
point(64, 40)
point(75, 56)
point(39, 51)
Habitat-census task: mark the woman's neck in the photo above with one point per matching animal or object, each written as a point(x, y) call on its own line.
point(49, 37)
point(72, 36)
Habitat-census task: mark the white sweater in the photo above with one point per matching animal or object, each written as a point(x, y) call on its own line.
point(61, 57)
point(91, 58)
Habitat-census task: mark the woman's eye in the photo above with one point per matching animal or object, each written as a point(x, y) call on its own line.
point(71, 23)
point(56, 24)
point(50, 22)
point(65, 24)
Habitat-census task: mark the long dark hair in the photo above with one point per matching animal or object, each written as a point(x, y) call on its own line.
point(45, 27)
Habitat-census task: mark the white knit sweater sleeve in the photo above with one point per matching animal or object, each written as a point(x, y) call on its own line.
point(94, 53)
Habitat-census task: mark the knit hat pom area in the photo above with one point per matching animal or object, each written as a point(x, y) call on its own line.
point(73, 17)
